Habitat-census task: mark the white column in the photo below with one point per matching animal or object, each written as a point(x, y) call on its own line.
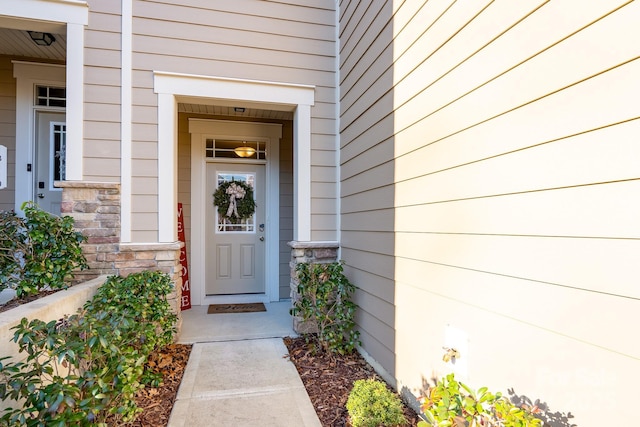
point(75, 109)
point(167, 168)
point(302, 173)
point(125, 121)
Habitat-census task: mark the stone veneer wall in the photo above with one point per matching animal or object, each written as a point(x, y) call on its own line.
point(308, 252)
point(95, 208)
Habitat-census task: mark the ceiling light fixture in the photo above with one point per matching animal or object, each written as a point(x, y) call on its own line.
point(41, 39)
point(244, 151)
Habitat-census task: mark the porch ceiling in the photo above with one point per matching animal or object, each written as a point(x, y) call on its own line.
point(18, 43)
point(219, 110)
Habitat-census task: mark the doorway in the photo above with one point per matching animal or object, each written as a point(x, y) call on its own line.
point(50, 159)
point(235, 247)
point(234, 262)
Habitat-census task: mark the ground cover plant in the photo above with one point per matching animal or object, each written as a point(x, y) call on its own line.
point(38, 252)
point(451, 404)
point(89, 366)
point(372, 404)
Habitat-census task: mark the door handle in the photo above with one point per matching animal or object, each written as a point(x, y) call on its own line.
point(262, 238)
point(40, 195)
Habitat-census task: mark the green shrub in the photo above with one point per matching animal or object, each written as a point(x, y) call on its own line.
point(82, 368)
point(452, 403)
point(325, 300)
point(371, 404)
point(39, 251)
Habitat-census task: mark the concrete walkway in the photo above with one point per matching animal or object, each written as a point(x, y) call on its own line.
point(238, 373)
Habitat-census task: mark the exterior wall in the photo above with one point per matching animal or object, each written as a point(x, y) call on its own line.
point(95, 208)
point(286, 187)
point(286, 206)
point(102, 92)
point(489, 161)
point(245, 39)
point(8, 129)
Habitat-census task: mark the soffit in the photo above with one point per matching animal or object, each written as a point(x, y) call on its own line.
point(18, 43)
point(218, 110)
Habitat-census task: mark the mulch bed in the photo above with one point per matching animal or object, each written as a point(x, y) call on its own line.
point(19, 301)
point(156, 403)
point(329, 378)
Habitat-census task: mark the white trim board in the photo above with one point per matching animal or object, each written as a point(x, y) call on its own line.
point(200, 130)
point(28, 75)
point(173, 88)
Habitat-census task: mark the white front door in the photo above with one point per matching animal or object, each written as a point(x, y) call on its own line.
point(235, 250)
point(50, 148)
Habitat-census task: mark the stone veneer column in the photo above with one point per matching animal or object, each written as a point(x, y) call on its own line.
point(95, 208)
point(308, 252)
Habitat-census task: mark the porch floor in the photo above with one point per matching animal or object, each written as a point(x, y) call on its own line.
point(237, 374)
point(200, 327)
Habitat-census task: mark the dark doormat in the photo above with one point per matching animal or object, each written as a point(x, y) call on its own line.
point(236, 308)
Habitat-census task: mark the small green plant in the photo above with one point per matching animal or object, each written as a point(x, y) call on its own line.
point(372, 404)
point(453, 404)
point(325, 300)
point(82, 368)
point(39, 251)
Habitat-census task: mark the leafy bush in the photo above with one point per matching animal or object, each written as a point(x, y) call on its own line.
point(325, 299)
point(39, 251)
point(86, 366)
point(371, 404)
point(452, 403)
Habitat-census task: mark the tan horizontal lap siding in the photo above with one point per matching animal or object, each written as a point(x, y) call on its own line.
point(368, 242)
point(8, 130)
point(498, 143)
point(102, 93)
point(269, 41)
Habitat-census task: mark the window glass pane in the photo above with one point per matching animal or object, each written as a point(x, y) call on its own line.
point(57, 103)
point(59, 152)
point(230, 223)
point(234, 149)
point(57, 92)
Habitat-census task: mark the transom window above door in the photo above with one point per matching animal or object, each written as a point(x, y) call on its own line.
point(48, 96)
point(235, 149)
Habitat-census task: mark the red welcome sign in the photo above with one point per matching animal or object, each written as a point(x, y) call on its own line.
point(185, 303)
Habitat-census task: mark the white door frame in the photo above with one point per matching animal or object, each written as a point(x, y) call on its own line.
point(208, 90)
point(200, 130)
point(28, 75)
point(176, 87)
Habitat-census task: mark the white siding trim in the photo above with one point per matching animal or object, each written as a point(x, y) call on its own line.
point(167, 168)
point(302, 174)
point(125, 120)
point(294, 97)
point(237, 89)
point(27, 75)
point(75, 101)
point(68, 11)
